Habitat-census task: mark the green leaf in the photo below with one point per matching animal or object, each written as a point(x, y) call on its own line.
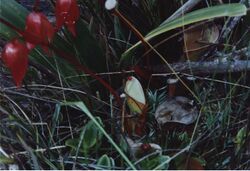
point(73, 143)
point(13, 12)
point(6, 33)
point(123, 144)
point(88, 48)
point(240, 138)
point(227, 10)
point(105, 162)
point(91, 134)
point(152, 162)
point(6, 160)
point(55, 121)
point(161, 160)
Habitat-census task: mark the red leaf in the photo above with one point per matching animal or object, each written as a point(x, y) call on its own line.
point(67, 12)
point(38, 30)
point(15, 57)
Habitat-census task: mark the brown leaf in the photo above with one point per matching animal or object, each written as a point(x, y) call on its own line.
point(191, 164)
point(199, 39)
point(178, 109)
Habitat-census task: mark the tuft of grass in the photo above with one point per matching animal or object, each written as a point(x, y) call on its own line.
point(41, 129)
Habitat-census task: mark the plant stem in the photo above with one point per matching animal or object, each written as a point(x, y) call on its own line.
point(128, 23)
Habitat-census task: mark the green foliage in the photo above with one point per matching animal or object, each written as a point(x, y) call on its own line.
point(154, 99)
point(88, 49)
point(105, 162)
point(6, 160)
point(152, 162)
point(91, 134)
point(240, 138)
point(91, 137)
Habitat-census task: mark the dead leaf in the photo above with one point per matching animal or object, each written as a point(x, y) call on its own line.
point(134, 105)
point(199, 39)
point(192, 163)
point(178, 109)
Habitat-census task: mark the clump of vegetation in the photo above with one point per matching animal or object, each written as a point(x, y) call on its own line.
point(124, 84)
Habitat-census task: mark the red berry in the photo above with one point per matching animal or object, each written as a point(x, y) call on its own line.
point(15, 57)
point(130, 78)
point(38, 30)
point(146, 147)
point(67, 12)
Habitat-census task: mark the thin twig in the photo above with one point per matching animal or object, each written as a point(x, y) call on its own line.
point(210, 67)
